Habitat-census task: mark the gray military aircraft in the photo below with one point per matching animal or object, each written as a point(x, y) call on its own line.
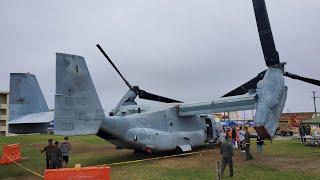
point(28, 109)
point(175, 125)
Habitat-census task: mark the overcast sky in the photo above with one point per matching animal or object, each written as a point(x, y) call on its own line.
point(187, 50)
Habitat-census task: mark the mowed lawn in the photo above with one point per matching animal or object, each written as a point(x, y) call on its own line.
point(282, 159)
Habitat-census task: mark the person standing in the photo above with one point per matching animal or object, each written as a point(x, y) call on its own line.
point(234, 137)
point(302, 133)
point(241, 134)
point(247, 144)
point(65, 147)
point(55, 157)
point(221, 137)
point(47, 149)
point(227, 153)
point(260, 144)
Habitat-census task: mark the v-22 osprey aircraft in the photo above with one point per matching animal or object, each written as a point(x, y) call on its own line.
point(176, 125)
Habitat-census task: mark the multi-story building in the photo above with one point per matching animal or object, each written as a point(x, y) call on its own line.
point(4, 113)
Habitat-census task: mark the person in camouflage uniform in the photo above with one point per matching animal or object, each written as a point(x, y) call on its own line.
point(227, 153)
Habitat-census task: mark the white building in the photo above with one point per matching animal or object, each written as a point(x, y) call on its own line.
point(4, 113)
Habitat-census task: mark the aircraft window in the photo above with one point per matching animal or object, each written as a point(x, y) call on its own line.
point(77, 68)
point(171, 124)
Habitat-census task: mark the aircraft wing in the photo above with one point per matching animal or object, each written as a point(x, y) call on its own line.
point(225, 104)
point(31, 123)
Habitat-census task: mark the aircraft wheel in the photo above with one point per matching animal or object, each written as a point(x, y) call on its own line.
point(178, 150)
point(137, 151)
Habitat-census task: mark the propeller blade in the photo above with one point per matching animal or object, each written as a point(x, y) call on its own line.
point(114, 66)
point(244, 88)
point(149, 96)
point(141, 93)
point(305, 79)
point(271, 55)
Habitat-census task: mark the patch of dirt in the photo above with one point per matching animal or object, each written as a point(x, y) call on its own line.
point(23, 178)
point(208, 159)
point(301, 164)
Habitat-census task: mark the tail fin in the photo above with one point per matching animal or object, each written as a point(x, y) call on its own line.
point(25, 95)
point(77, 107)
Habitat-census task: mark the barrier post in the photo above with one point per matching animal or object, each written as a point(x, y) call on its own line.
point(11, 153)
point(92, 173)
point(218, 170)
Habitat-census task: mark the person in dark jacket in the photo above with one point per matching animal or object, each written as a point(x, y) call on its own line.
point(227, 153)
point(302, 133)
point(260, 144)
point(247, 144)
point(48, 149)
point(55, 157)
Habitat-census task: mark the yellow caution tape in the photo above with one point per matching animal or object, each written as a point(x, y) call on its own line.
point(150, 159)
point(33, 172)
point(120, 163)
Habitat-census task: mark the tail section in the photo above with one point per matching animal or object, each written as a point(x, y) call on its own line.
point(78, 109)
point(25, 95)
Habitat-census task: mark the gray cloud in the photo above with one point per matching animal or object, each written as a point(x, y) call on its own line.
point(188, 50)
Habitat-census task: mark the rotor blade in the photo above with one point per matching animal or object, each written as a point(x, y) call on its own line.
point(305, 79)
point(114, 66)
point(148, 96)
point(271, 55)
point(244, 88)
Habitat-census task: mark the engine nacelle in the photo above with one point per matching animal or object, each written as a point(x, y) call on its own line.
point(271, 94)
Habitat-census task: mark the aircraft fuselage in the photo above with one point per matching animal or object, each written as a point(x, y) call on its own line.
point(159, 130)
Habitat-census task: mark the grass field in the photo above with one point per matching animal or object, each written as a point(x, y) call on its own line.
point(283, 159)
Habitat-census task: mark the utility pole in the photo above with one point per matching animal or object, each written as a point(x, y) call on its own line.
point(314, 102)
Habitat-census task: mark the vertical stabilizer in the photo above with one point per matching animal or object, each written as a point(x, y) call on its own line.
point(25, 95)
point(77, 107)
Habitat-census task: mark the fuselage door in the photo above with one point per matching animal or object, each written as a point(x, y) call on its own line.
point(171, 125)
point(209, 128)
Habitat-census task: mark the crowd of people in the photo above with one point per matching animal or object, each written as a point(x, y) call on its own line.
point(57, 156)
point(310, 132)
point(232, 138)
